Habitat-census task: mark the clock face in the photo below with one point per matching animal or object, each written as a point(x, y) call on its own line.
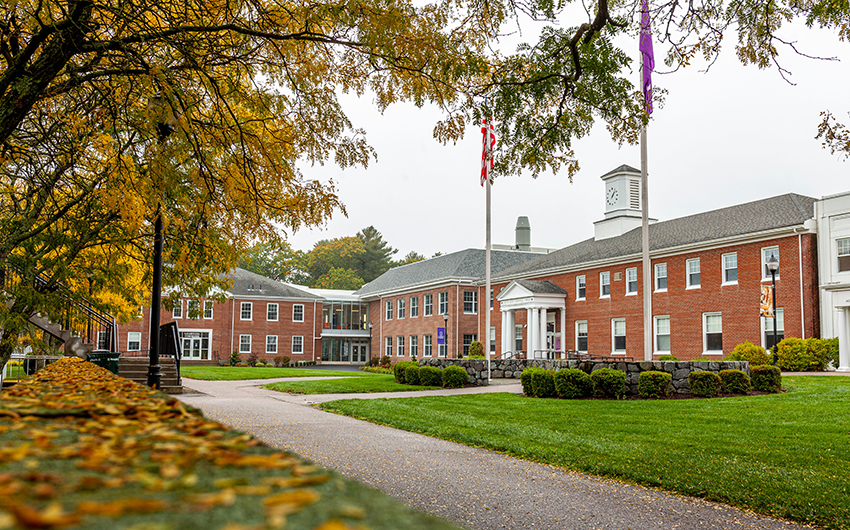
point(611, 196)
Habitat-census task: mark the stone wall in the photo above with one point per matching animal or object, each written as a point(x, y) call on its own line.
point(512, 368)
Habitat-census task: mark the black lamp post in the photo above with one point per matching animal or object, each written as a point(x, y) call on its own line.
point(773, 267)
point(446, 327)
point(370, 342)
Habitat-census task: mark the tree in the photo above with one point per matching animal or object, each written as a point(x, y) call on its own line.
point(378, 253)
point(410, 257)
point(337, 253)
point(336, 278)
point(277, 261)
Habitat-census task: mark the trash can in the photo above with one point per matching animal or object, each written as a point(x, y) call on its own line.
point(108, 360)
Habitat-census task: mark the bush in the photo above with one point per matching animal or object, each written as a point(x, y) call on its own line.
point(411, 375)
point(704, 384)
point(374, 361)
point(430, 376)
point(525, 379)
point(454, 377)
point(668, 358)
point(755, 355)
point(234, 358)
point(831, 346)
point(399, 369)
point(285, 362)
point(609, 383)
point(799, 355)
point(653, 384)
point(278, 361)
point(572, 384)
point(259, 364)
point(375, 369)
point(766, 378)
point(734, 381)
point(476, 348)
point(822, 353)
point(385, 361)
point(543, 383)
point(252, 360)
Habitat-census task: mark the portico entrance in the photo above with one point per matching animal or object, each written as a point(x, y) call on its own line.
point(541, 300)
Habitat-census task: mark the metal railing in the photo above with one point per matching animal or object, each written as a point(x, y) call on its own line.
point(22, 366)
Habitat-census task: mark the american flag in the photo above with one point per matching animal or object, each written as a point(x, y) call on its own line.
point(647, 55)
point(487, 151)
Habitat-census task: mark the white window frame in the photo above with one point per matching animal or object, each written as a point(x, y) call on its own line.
point(414, 346)
point(780, 317)
point(401, 308)
point(177, 312)
point(443, 310)
point(578, 329)
point(581, 288)
point(473, 302)
point(414, 306)
point(688, 273)
point(659, 267)
point(442, 350)
point(723, 268)
point(250, 309)
point(705, 349)
point(629, 271)
point(208, 309)
point(271, 340)
point(399, 342)
point(197, 308)
point(655, 334)
point(428, 302)
point(388, 310)
point(839, 242)
point(614, 322)
point(276, 315)
point(244, 347)
point(427, 346)
point(765, 274)
point(388, 346)
point(137, 339)
point(295, 308)
point(604, 280)
point(492, 298)
point(492, 340)
point(298, 344)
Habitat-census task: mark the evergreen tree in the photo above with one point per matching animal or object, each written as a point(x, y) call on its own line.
point(378, 253)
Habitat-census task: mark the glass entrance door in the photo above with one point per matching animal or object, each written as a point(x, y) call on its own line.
point(195, 344)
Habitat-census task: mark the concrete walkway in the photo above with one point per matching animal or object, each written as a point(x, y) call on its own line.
point(480, 489)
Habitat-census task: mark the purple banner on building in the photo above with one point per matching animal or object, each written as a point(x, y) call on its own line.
point(441, 335)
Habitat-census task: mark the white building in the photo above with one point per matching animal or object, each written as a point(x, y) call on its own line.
point(833, 217)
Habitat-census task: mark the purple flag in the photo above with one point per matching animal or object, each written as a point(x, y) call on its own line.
point(648, 57)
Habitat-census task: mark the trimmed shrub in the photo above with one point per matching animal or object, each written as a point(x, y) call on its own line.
point(704, 384)
point(259, 364)
point(734, 381)
point(654, 384)
point(805, 355)
point(668, 358)
point(755, 355)
point(278, 361)
point(386, 361)
point(411, 375)
point(476, 349)
point(252, 360)
point(543, 383)
point(454, 377)
point(831, 346)
point(430, 376)
point(399, 369)
point(572, 384)
point(609, 383)
point(234, 358)
point(766, 378)
point(285, 361)
point(525, 379)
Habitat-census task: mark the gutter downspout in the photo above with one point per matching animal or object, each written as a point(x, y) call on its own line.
point(802, 301)
point(232, 323)
point(314, 332)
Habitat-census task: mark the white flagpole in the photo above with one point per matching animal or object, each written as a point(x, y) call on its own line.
point(647, 268)
point(486, 304)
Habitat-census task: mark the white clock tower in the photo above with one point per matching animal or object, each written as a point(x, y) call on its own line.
point(622, 203)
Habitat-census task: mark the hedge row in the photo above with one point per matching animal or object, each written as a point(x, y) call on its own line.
point(573, 383)
point(410, 373)
point(792, 354)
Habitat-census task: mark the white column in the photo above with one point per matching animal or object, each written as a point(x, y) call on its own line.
point(504, 327)
point(563, 330)
point(511, 340)
point(543, 322)
point(533, 329)
point(843, 339)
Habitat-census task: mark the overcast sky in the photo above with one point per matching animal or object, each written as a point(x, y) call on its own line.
point(732, 135)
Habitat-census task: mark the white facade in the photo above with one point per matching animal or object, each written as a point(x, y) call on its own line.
point(833, 218)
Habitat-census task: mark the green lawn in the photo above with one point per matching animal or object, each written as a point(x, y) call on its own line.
point(785, 455)
point(237, 373)
point(377, 383)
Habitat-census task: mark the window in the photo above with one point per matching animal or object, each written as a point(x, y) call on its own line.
point(271, 343)
point(843, 254)
point(444, 303)
point(467, 340)
point(400, 342)
point(103, 340)
point(426, 341)
point(662, 334)
point(298, 313)
point(297, 344)
point(730, 268)
point(401, 308)
point(429, 305)
point(388, 348)
point(604, 284)
point(692, 266)
point(208, 309)
point(245, 311)
point(767, 328)
point(766, 254)
point(491, 299)
point(661, 277)
point(177, 312)
point(414, 346)
point(441, 350)
point(271, 312)
point(618, 332)
point(712, 326)
point(389, 310)
point(581, 335)
point(244, 343)
point(631, 281)
point(470, 302)
point(414, 306)
point(580, 286)
point(518, 337)
point(134, 341)
point(492, 339)
point(193, 309)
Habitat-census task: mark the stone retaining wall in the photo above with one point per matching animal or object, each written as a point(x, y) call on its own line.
point(512, 368)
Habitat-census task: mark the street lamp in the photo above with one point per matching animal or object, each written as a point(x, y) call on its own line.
point(446, 328)
point(773, 267)
point(370, 342)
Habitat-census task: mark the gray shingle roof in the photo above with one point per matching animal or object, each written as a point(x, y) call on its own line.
point(247, 283)
point(541, 287)
point(622, 169)
point(465, 264)
point(752, 217)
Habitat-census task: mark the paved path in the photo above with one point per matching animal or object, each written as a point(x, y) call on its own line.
point(479, 489)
